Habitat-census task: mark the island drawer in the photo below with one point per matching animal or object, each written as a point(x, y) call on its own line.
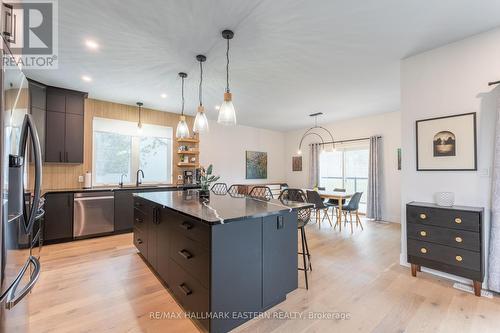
point(141, 241)
point(139, 219)
point(192, 256)
point(445, 254)
point(446, 218)
point(189, 292)
point(446, 236)
point(143, 205)
point(189, 227)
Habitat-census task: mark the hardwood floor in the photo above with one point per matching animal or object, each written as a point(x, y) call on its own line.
point(102, 285)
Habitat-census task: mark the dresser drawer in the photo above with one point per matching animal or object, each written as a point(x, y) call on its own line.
point(192, 256)
point(446, 218)
point(141, 241)
point(190, 228)
point(451, 237)
point(189, 293)
point(445, 254)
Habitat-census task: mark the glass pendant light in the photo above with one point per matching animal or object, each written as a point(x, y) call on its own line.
point(200, 121)
point(139, 124)
point(182, 131)
point(227, 115)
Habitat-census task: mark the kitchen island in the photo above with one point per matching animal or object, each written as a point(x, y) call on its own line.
point(225, 259)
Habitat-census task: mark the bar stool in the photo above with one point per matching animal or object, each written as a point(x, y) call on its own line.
point(303, 218)
point(262, 192)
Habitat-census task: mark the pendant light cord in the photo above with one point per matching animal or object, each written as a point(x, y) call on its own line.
point(182, 110)
point(227, 66)
point(201, 81)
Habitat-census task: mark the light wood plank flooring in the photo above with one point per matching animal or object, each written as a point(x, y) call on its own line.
point(102, 285)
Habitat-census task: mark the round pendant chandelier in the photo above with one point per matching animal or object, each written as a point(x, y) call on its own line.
point(316, 131)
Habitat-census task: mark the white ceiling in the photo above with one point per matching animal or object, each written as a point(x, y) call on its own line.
point(289, 58)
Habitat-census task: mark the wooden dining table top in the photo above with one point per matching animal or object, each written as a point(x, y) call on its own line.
point(333, 194)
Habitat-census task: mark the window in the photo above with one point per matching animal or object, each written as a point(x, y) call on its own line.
point(118, 149)
point(346, 167)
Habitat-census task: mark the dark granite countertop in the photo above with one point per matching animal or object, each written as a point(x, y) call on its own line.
point(220, 208)
point(114, 189)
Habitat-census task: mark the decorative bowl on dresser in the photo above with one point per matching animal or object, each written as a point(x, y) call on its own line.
point(447, 239)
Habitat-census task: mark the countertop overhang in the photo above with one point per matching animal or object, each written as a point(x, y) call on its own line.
point(219, 209)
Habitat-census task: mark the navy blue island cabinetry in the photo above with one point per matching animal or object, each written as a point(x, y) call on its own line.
point(225, 259)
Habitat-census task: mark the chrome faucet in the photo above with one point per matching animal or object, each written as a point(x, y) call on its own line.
point(138, 181)
point(121, 179)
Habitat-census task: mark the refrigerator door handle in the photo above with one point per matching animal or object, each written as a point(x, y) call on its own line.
point(29, 126)
point(12, 298)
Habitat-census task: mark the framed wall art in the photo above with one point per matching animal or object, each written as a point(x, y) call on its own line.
point(296, 163)
point(256, 165)
point(447, 143)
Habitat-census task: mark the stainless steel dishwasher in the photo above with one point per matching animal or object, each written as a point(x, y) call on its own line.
point(93, 213)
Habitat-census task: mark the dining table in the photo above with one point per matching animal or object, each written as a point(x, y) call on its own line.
point(340, 196)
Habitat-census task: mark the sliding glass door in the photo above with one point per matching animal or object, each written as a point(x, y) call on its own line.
point(347, 168)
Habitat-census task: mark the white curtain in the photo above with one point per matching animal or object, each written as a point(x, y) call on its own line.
point(314, 165)
point(494, 251)
point(374, 204)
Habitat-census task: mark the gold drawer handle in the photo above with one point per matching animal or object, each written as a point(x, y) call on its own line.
point(423, 216)
point(423, 233)
point(423, 250)
point(458, 258)
point(458, 239)
point(458, 220)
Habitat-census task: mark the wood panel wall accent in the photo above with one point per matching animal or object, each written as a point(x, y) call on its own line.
point(61, 176)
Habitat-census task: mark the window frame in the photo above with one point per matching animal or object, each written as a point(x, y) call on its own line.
point(135, 155)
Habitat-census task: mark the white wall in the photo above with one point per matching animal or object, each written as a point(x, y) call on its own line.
point(450, 80)
point(225, 146)
point(388, 125)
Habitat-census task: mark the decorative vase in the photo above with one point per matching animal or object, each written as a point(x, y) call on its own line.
point(445, 199)
point(203, 194)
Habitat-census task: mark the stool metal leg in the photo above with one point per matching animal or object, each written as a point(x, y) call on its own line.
point(307, 249)
point(304, 256)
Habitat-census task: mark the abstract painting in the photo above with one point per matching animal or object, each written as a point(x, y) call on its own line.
point(256, 165)
point(296, 163)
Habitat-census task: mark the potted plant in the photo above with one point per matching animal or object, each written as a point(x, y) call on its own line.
point(206, 180)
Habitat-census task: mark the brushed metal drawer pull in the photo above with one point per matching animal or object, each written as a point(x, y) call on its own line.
point(458, 220)
point(138, 220)
point(423, 233)
point(185, 290)
point(458, 258)
point(423, 216)
point(186, 225)
point(458, 239)
point(423, 250)
point(185, 254)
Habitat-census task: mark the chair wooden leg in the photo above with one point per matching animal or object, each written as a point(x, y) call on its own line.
point(359, 220)
point(328, 216)
point(345, 219)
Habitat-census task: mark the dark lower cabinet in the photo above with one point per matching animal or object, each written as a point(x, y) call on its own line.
point(242, 267)
point(124, 211)
point(58, 222)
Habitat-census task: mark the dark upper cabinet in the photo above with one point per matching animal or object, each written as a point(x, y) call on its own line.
point(56, 100)
point(73, 143)
point(58, 221)
point(65, 109)
point(54, 137)
point(74, 103)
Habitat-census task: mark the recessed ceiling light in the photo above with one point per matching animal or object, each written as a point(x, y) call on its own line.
point(91, 44)
point(217, 107)
point(86, 78)
point(163, 95)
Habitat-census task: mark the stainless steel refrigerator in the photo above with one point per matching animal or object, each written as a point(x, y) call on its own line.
point(22, 207)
